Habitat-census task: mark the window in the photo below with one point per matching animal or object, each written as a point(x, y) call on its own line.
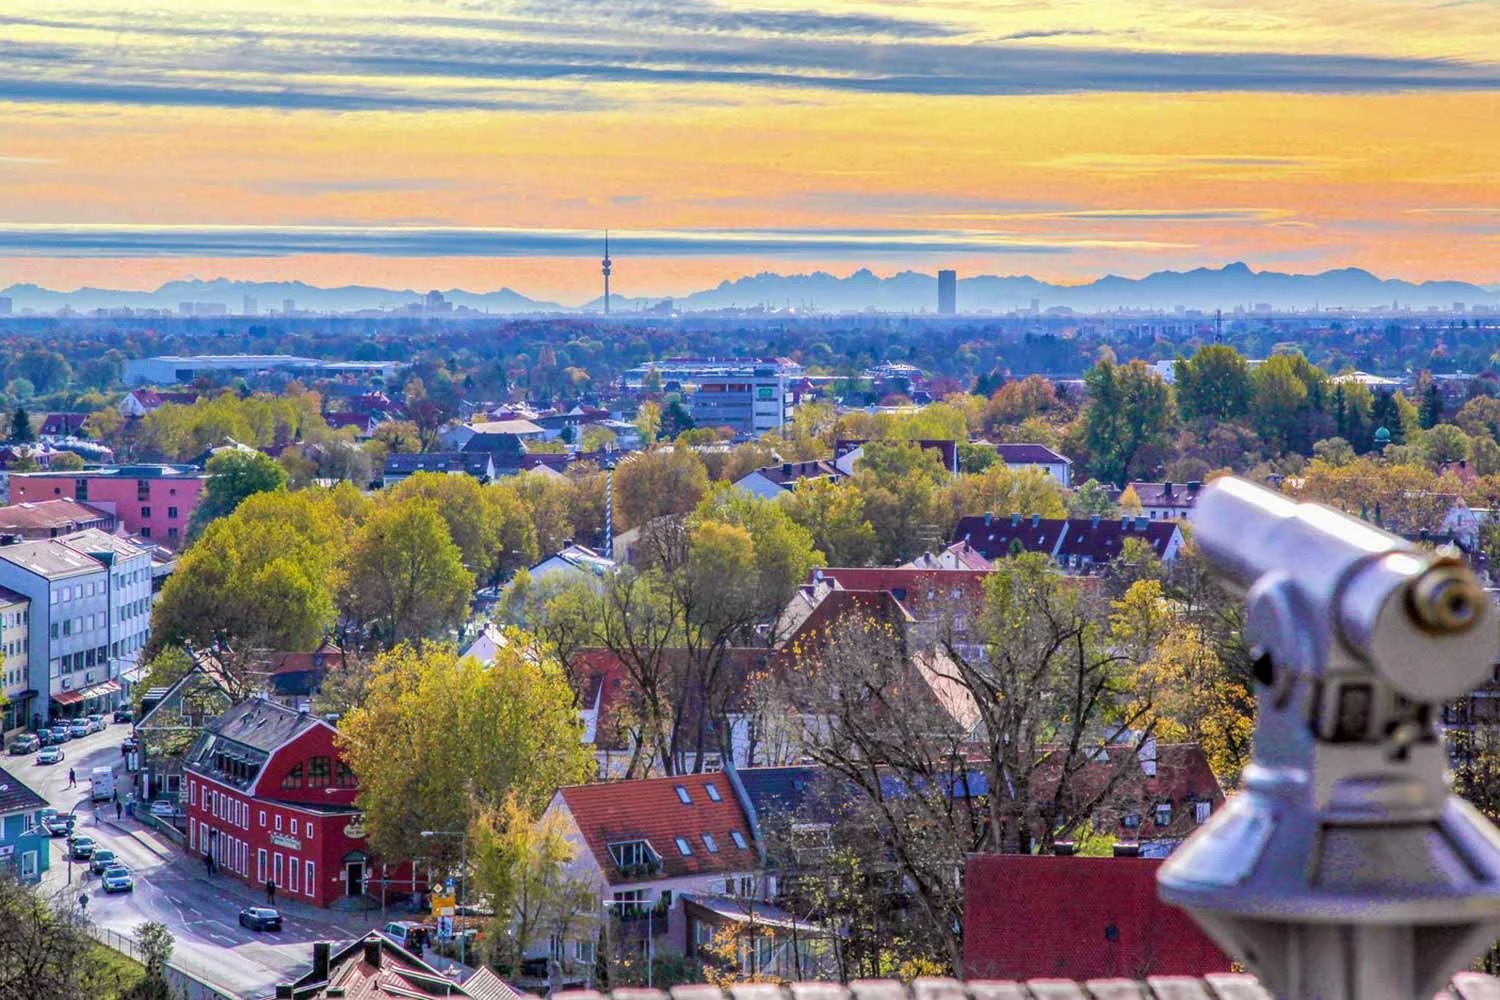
point(145, 531)
point(54, 630)
point(713, 792)
point(1164, 814)
point(683, 796)
point(293, 779)
point(307, 880)
point(1201, 811)
point(278, 822)
point(263, 818)
point(710, 843)
point(171, 532)
point(28, 865)
point(292, 875)
point(192, 793)
point(630, 853)
point(738, 838)
point(684, 847)
point(345, 776)
point(142, 490)
point(319, 770)
point(260, 865)
point(307, 829)
point(145, 511)
point(172, 512)
point(1131, 821)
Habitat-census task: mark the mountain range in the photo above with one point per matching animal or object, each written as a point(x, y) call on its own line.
point(1228, 287)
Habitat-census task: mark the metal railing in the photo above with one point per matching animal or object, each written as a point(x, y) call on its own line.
point(189, 977)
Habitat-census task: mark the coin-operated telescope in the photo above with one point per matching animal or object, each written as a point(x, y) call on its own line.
point(1345, 869)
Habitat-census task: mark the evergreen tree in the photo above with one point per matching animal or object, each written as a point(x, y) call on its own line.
point(1432, 406)
point(20, 426)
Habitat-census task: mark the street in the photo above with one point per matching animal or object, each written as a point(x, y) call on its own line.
point(200, 910)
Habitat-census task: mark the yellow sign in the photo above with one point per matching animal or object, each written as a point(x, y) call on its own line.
point(443, 904)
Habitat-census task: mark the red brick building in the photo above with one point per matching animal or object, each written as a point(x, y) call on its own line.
point(269, 797)
point(153, 501)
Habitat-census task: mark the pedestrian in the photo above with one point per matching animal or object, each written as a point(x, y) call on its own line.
point(72, 778)
point(119, 809)
point(270, 893)
point(117, 796)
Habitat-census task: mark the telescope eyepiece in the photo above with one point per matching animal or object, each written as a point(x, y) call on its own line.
point(1446, 599)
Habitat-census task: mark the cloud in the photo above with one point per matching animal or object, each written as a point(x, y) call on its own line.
point(1161, 163)
point(522, 60)
point(1196, 215)
point(43, 240)
point(353, 185)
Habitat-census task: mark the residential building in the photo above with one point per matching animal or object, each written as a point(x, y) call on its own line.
point(479, 464)
point(153, 501)
point(294, 678)
point(574, 562)
point(270, 798)
point(139, 402)
point(55, 426)
point(772, 481)
point(647, 846)
point(68, 655)
point(1166, 501)
point(51, 518)
point(947, 293)
point(1078, 545)
point(15, 642)
point(25, 847)
point(499, 436)
point(171, 721)
point(484, 644)
point(374, 966)
point(959, 555)
point(1086, 918)
point(1037, 456)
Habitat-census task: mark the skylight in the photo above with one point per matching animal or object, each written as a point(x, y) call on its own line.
point(738, 838)
point(708, 842)
point(684, 847)
point(713, 791)
point(683, 796)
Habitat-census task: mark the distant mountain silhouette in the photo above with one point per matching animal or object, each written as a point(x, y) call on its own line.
point(909, 291)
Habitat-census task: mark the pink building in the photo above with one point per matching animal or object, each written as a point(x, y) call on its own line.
point(153, 501)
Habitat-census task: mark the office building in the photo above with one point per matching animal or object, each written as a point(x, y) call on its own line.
point(250, 306)
point(15, 618)
point(6, 305)
point(947, 293)
point(153, 501)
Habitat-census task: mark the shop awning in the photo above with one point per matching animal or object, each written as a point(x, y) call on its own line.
point(108, 687)
point(69, 697)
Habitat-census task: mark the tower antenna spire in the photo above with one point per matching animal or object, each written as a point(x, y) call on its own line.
point(607, 265)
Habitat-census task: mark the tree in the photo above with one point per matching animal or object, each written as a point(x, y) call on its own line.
point(404, 577)
point(66, 461)
point(156, 945)
point(655, 483)
point(1431, 408)
point(596, 438)
point(1001, 489)
point(901, 485)
point(104, 371)
point(675, 420)
point(234, 475)
point(261, 578)
point(1130, 502)
point(469, 737)
point(834, 515)
point(1129, 408)
point(45, 948)
point(1480, 417)
point(648, 422)
point(1334, 451)
point(103, 424)
point(1213, 383)
point(20, 426)
point(47, 370)
point(1092, 499)
point(1287, 410)
point(489, 524)
point(400, 437)
point(1443, 443)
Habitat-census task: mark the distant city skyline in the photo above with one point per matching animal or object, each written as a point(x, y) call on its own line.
point(1062, 141)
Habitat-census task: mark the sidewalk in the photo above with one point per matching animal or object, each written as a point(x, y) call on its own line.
point(141, 836)
point(352, 922)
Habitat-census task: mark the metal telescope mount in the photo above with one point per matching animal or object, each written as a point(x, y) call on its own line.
point(1345, 869)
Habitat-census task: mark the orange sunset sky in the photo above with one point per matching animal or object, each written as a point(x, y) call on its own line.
point(479, 144)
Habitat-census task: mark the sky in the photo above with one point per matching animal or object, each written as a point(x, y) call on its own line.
point(488, 143)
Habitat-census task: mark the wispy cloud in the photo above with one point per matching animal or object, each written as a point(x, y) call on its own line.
point(434, 241)
point(1141, 215)
point(1166, 163)
point(518, 60)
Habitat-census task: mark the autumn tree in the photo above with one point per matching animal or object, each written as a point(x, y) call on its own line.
point(46, 949)
point(467, 737)
point(1129, 408)
point(651, 484)
point(901, 483)
point(834, 515)
point(1213, 383)
point(234, 475)
point(1002, 490)
point(488, 523)
point(404, 578)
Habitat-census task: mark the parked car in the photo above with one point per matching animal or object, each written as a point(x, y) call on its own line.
point(99, 721)
point(24, 744)
point(82, 848)
point(78, 729)
point(117, 878)
point(61, 733)
point(103, 858)
point(44, 737)
point(164, 808)
point(260, 918)
point(58, 826)
point(50, 755)
point(124, 715)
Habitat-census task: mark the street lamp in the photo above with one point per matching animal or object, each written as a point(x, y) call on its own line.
point(650, 936)
point(463, 868)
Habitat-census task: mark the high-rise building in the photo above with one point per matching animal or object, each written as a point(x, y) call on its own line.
point(249, 306)
point(5, 305)
point(947, 293)
point(288, 306)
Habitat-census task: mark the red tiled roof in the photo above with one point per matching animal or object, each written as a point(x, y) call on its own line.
point(914, 588)
point(44, 518)
point(650, 809)
point(1183, 777)
point(1079, 918)
point(326, 657)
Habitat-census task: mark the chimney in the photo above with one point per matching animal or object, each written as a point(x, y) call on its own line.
point(372, 952)
point(786, 470)
point(1094, 521)
point(320, 960)
point(1124, 850)
point(1194, 487)
point(1036, 520)
point(988, 517)
point(1015, 520)
point(283, 991)
point(1064, 848)
point(1166, 489)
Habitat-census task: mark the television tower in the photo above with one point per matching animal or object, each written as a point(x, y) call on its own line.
point(607, 265)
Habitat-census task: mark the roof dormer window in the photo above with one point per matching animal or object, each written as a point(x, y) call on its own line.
point(683, 796)
point(713, 792)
